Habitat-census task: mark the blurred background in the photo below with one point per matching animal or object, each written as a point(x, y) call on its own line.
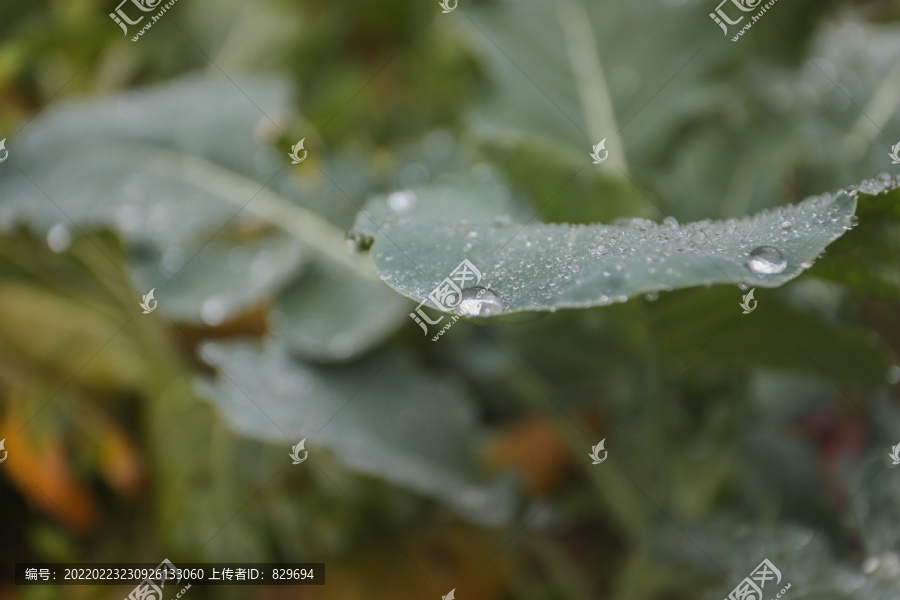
point(163, 164)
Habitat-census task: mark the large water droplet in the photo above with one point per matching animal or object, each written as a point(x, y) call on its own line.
point(766, 260)
point(479, 302)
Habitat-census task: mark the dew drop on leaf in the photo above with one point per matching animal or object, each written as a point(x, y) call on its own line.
point(478, 301)
point(766, 260)
point(402, 201)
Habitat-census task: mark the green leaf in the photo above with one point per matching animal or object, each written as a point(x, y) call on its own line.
point(225, 279)
point(333, 316)
point(539, 266)
point(707, 326)
point(543, 61)
point(188, 174)
point(380, 416)
point(868, 258)
point(221, 496)
point(681, 98)
point(726, 544)
point(874, 507)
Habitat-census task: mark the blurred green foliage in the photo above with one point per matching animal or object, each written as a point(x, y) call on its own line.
point(463, 464)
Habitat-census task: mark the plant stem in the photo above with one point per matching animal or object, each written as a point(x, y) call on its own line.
point(596, 101)
point(313, 231)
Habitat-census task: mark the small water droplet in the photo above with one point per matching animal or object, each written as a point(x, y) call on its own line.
point(59, 238)
point(651, 296)
point(402, 201)
point(766, 260)
point(213, 312)
point(870, 565)
point(893, 375)
point(642, 224)
point(786, 225)
point(478, 301)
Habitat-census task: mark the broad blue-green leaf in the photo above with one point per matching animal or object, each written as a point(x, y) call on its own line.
point(224, 279)
point(874, 506)
point(682, 96)
point(381, 416)
point(540, 266)
point(188, 174)
point(334, 315)
point(801, 555)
